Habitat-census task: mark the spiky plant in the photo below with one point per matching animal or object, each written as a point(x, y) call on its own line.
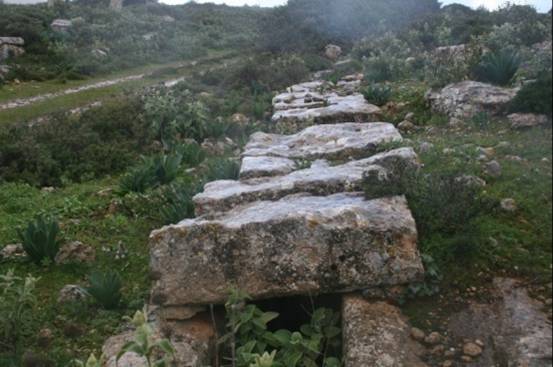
point(377, 94)
point(498, 67)
point(40, 239)
point(105, 288)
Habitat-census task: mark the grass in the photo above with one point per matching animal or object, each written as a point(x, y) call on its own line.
point(84, 216)
point(154, 75)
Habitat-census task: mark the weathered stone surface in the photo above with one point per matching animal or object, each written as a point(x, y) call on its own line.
point(12, 251)
point(71, 293)
point(376, 334)
point(191, 339)
point(253, 167)
point(468, 98)
point(526, 120)
point(320, 179)
point(75, 252)
point(337, 141)
point(338, 108)
point(514, 328)
point(300, 244)
point(333, 52)
point(11, 47)
point(61, 25)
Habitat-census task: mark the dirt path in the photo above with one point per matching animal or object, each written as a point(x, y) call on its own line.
point(22, 102)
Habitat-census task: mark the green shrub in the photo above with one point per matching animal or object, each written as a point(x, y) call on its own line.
point(192, 154)
point(165, 167)
point(377, 94)
point(138, 179)
point(105, 288)
point(179, 204)
point(250, 340)
point(498, 67)
point(157, 352)
point(535, 97)
point(40, 239)
point(222, 169)
point(17, 304)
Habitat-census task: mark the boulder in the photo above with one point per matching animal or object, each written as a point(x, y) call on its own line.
point(338, 141)
point(527, 120)
point(298, 245)
point(11, 47)
point(514, 327)
point(466, 99)
point(191, 339)
point(320, 179)
point(377, 334)
point(333, 52)
point(61, 25)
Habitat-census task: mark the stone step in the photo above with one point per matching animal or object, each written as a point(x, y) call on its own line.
point(376, 334)
point(332, 142)
point(298, 245)
point(320, 179)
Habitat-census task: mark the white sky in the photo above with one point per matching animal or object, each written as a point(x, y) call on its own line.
point(542, 5)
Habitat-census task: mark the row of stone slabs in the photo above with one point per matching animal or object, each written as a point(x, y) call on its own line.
point(295, 223)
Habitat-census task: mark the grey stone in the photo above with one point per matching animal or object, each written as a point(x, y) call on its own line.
point(253, 167)
point(298, 245)
point(493, 169)
point(377, 335)
point(514, 327)
point(12, 251)
point(527, 120)
point(338, 141)
point(466, 99)
point(333, 52)
point(71, 293)
point(321, 179)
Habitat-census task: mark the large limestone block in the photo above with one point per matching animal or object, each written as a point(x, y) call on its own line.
point(253, 167)
point(320, 179)
point(298, 245)
point(376, 334)
point(334, 141)
point(468, 98)
point(338, 108)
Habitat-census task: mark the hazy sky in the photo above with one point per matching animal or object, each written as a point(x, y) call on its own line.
point(542, 5)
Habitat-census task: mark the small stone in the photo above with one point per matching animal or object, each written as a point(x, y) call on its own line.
point(438, 350)
point(455, 122)
point(418, 334)
point(466, 359)
point(472, 350)
point(450, 353)
point(509, 205)
point(71, 293)
point(479, 343)
point(410, 117)
point(239, 119)
point(406, 126)
point(426, 147)
point(493, 169)
point(433, 338)
point(447, 364)
point(76, 252)
point(48, 189)
point(45, 338)
point(13, 251)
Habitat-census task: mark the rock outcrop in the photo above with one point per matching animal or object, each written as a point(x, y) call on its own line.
point(514, 327)
point(321, 102)
point(466, 99)
point(11, 47)
point(376, 334)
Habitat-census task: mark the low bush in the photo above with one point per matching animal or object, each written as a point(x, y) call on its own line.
point(17, 306)
point(498, 67)
point(41, 239)
point(535, 97)
point(105, 288)
point(222, 169)
point(179, 204)
point(315, 344)
point(139, 180)
point(377, 94)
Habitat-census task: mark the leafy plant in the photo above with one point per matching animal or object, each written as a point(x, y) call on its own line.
point(90, 362)
point(222, 169)
point(498, 67)
point(146, 345)
point(165, 167)
point(179, 204)
point(17, 303)
point(138, 179)
point(377, 94)
point(105, 288)
point(192, 153)
point(40, 239)
point(250, 340)
point(535, 97)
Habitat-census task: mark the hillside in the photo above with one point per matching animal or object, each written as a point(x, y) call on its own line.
point(323, 184)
